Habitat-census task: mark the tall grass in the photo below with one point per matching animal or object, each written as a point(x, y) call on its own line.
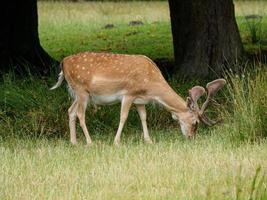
point(27, 108)
point(247, 111)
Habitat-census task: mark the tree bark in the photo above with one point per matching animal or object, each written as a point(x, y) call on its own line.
point(205, 36)
point(20, 48)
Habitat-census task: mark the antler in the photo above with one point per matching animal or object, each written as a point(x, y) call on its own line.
point(206, 120)
point(212, 87)
point(194, 94)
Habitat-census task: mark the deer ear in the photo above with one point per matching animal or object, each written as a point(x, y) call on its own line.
point(190, 104)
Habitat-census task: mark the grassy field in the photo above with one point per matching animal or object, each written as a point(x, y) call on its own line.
point(228, 161)
point(66, 28)
point(207, 168)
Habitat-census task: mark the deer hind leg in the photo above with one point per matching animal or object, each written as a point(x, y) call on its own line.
point(82, 104)
point(142, 114)
point(72, 121)
point(125, 107)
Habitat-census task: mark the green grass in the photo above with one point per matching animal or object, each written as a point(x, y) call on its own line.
point(67, 28)
point(227, 161)
point(123, 39)
point(247, 93)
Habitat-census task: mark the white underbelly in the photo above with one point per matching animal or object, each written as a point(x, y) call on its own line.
point(114, 98)
point(107, 99)
point(140, 101)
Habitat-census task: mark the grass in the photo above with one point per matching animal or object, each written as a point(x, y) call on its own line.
point(249, 109)
point(123, 39)
point(66, 28)
point(227, 161)
point(171, 169)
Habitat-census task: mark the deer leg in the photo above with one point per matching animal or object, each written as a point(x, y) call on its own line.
point(72, 121)
point(82, 104)
point(142, 114)
point(125, 107)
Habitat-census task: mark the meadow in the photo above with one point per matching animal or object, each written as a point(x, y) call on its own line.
point(66, 28)
point(227, 161)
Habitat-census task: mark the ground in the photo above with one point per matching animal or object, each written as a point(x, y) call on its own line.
point(172, 168)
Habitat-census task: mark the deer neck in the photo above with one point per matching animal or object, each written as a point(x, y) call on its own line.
point(171, 100)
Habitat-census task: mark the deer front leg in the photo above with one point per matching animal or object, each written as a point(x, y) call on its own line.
point(142, 114)
point(125, 107)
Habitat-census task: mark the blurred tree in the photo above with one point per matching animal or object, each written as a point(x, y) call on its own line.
point(205, 36)
point(20, 48)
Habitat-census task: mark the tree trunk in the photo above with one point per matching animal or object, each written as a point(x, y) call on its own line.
point(20, 48)
point(205, 36)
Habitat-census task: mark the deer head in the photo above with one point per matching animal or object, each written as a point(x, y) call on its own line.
point(190, 120)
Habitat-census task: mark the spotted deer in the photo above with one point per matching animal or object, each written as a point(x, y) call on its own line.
point(105, 78)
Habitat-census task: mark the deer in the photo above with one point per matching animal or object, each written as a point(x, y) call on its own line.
point(109, 78)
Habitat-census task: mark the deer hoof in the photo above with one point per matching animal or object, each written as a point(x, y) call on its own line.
point(74, 142)
point(148, 141)
point(117, 143)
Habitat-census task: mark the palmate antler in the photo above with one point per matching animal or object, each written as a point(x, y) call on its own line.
point(196, 92)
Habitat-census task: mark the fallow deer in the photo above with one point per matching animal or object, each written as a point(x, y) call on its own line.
point(106, 78)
